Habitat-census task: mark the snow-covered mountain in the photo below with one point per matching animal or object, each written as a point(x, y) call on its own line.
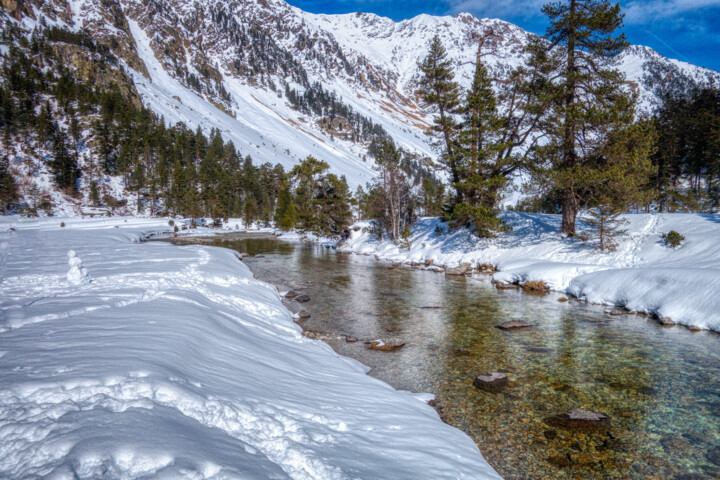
point(234, 65)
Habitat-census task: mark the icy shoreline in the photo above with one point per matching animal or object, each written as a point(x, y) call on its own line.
point(680, 285)
point(175, 362)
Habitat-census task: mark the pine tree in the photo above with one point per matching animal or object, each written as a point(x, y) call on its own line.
point(588, 96)
point(63, 165)
point(8, 187)
point(480, 148)
point(399, 201)
point(285, 212)
point(604, 224)
point(439, 91)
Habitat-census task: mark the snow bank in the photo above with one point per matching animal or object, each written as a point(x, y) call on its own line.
point(174, 362)
point(642, 275)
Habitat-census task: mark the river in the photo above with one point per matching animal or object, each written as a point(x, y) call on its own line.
point(658, 385)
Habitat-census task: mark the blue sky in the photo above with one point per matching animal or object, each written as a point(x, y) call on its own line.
point(688, 30)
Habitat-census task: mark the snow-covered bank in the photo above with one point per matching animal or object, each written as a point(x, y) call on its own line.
point(642, 275)
point(174, 362)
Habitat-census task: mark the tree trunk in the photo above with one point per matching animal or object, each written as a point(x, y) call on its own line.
point(569, 212)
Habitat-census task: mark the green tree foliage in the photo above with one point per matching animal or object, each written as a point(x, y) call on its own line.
point(8, 187)
point(285, 213)
point(390, 200)
point(604, 226)
point(439, 91)
point(588, 100)
point(688, 153)
point(322, 200)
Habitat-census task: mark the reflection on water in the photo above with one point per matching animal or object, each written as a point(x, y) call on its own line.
point(658, 385)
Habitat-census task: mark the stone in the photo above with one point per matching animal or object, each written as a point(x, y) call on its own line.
point(675, 444)
point(713, 454)
point(244, 254)
point(350, 339)
point(290, 294)
point(506, 286)
point(562, 299)
point(303, 314)
point(665, 321)
point(694, 328)
point(514, 325)
point(302, 298)
point(435, 268)
point(486, 268)
point(462, 269)
point(492, 382)
point(616, 311)
point(535, 286)
point(385, 347)
point(580, 420)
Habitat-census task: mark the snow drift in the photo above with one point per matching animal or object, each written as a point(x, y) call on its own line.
point(174, 362)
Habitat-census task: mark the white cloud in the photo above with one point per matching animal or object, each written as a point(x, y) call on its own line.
point(643, 12)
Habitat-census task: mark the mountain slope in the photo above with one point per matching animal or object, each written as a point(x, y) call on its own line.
point(240, 65)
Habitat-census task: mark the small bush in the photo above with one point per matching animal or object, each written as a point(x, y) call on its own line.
point(673, 239)
point(175, 229)
point(62, 224)
point(171, 222)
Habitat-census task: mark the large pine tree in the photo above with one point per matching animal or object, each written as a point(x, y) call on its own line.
point(438, 90)
point(587, 92)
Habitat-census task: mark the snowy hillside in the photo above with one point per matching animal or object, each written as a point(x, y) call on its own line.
point(174, 362)
point(233, 65)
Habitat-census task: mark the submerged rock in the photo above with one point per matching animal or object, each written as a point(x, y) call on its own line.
point(506, 286)
point(580, 420)
point(350, 339)
point(713, 454)
point(514, 325)
point(302, 298)
point(385, 347)
point(562, 299)
point(290, 294)
point(492, 382)
point(303, 314)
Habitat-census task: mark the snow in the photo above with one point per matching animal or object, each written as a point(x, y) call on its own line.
point(643, 275)
point(174, 362)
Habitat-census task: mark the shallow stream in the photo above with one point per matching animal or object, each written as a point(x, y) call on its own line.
point(659, 385)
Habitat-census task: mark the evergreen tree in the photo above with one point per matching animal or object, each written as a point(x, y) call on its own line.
point(285, 213)
point(63, 165)
point(399, 202)
point(604, 224)
point(8, 187)
point(588, 96)
point(439, 91)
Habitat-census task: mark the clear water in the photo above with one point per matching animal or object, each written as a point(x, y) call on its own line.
point(659, 385)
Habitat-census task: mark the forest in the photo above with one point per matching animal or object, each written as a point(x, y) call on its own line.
point(565, 123)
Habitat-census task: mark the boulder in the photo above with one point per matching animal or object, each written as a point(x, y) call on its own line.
point(491, 382)
point(385, 347)
point(462, 269)
point(486, 268)
point(514, 325)
point(506, 286)
point(580, 420)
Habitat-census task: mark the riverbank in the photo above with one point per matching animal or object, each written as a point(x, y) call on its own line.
point(643, 275)
point(161, 360)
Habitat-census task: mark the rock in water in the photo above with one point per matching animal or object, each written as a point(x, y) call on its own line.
point(302, 298)
point(304, 314)
point(514, 325)
point(580, 420)
point(492, 382)
point(385, 347)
